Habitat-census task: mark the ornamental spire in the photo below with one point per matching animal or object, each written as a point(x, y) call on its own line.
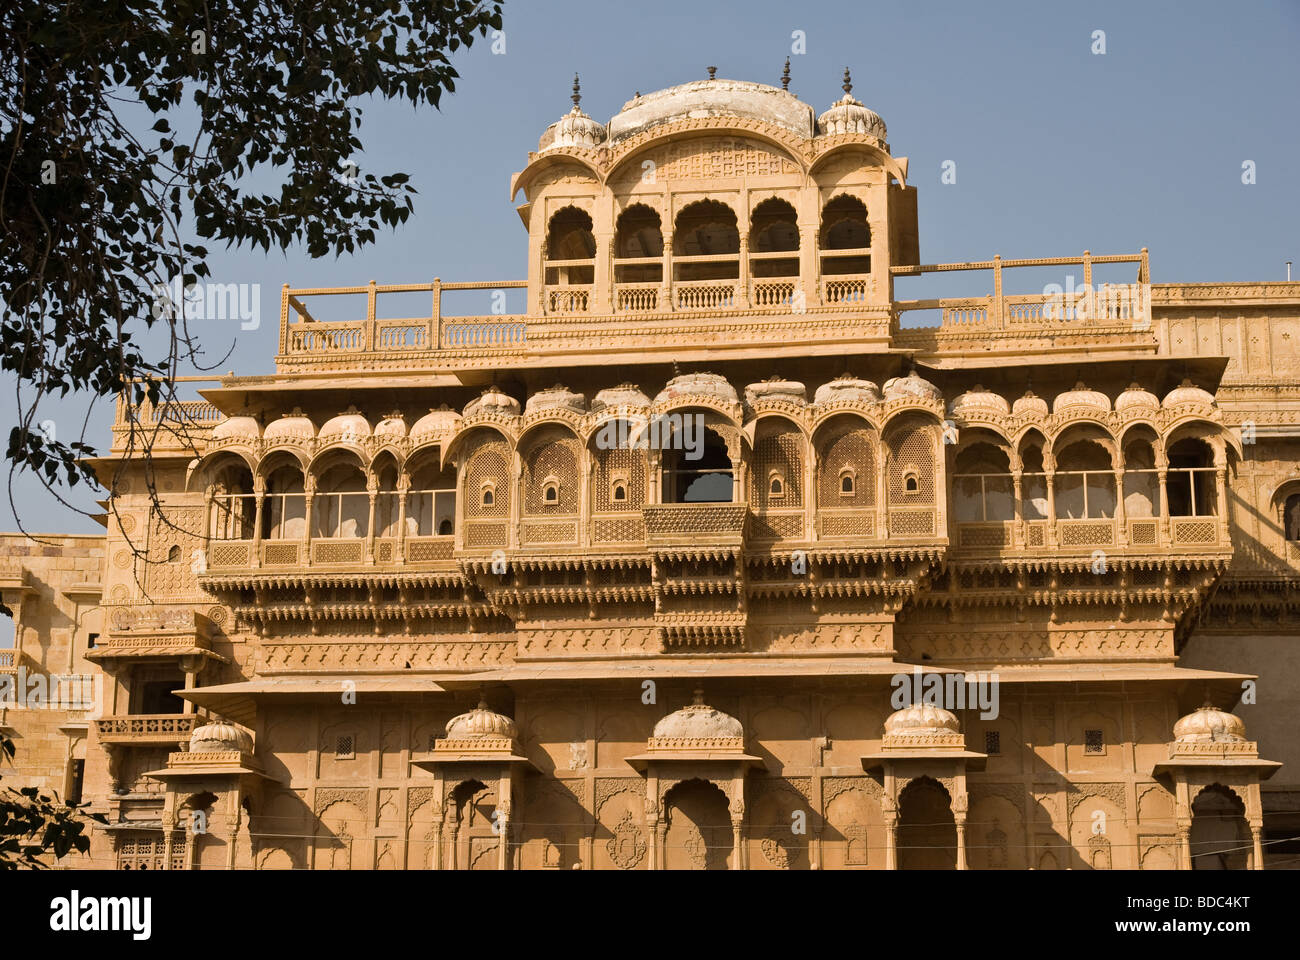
point(577, 92)
point(847, 86)
point(785, 76)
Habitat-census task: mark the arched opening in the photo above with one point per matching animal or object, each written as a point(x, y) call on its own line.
point(1191, 482)
point(776, 469)
point(708, 478)
point(618, 480)
point(1220, 838)
point(845, 237)
point(847, 467)
point(284, 508)
point(341, 505)
point(982, 491)
point(927, 831)
point(638, 246)
point(431, 499)
point(387, 510)
point(486, 477)
point(1291, 518)
point(234, 507)
point(1141, 478)
point(912, 479)
point(550, 471)
point(706, 244)
point(570, 248)
point(475, 837)
point(1085, 482)
point(699, 835)
point(1033, 480)
point(774, 240)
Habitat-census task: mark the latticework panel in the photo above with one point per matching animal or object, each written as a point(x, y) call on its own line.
point(555, 532)
point(1142, 533)
point(629, 466)
point(984, 535)
point(336, 551)
point(911, 455)
point(489, 464)
point(780, 455)
point(619, 530)
point(849, 525)
point(911, 523)
point(280, 554)
point(485, 535)
point(150, 853)
point(1086, 533)
point(1194, 531)
point(558, 460)
point(778, 526)
point(853, 451)
point(228, 554)
point(422, 551)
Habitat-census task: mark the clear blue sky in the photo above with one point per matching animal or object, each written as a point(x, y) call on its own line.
point(1056, 149)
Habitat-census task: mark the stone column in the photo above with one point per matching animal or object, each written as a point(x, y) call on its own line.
point(1163, 473)
point(666, 282)
point(1049, 468)
point(742, 293)
point(889, 809)
point(1221, 501)
point(259, 498)
point(309, 493)
point(403, 491)
point(1257, 845)
point(372, 494)
point(738, 844)
point(1018, 536)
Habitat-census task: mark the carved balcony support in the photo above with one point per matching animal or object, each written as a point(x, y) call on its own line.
point(1165, 529)
point(666, 288)
point(259, 502)
point(742, 293)
point(1018, 515)
point(403, 488)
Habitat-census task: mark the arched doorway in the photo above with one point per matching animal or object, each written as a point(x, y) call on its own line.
point(927, 832)
point(699, 835)
point(1220, 838)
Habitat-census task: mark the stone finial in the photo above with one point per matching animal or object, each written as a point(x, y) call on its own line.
point(713, 73)
point(847, 86)
point(576, 97)
point(697, 696)
point(785, 76)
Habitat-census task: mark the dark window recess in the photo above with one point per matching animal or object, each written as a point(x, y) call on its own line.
point(1093, 742)
point(992, 742)
point(156, 697)
point(344, 748)
point(74, 786)
point(92, 641)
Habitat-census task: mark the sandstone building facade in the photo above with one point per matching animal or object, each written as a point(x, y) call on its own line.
point(630, 580)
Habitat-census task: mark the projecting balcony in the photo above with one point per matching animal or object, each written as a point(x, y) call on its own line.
point(691, 524)
point(152, 729)
point(231, 556)
point(1134, 535)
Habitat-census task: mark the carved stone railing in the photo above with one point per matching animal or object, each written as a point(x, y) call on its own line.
point(689, 523)
point(704, 294)
point(637, 297)
point(772, 293)
point(847, 288)
point(146, 729)
point(568, 299)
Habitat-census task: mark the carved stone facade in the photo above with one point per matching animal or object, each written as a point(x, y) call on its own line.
point(462, 611)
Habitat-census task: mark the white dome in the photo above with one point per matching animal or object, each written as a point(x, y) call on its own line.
point(698, 721)
point(1030, 404)
point(921, 719)
point(481, 722)
point(911, 386)
point(978, 399)
point(556, 396)
point(219, 736)
point(436, 423)
point(392, 427)
point(848, 115)
point(695, 384)
point(789, 390)
point(290, 426)
point(1188, 392)
point(713, 98)
point(237, 428)
point(1081, 396)
point(574, 129)
point(1209, 724)
point(349, 426)
point(493, 400)
point(626, 396)
point(1135, 398)
point(847, 387)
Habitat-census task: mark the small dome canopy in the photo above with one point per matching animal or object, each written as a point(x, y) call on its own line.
point(1188, 392)
point(291, 426)
point(349, 425)
point(626, 396)
point(694, 384)
point(1135, 398)
point(1209, 724)
point(847, 387)
point(482, 721)
point(1081, 396)
point(698, 721)
point(921, 720)
point(436, 423)
point(775, 388)
point(220, 736)
point(392, 427)
point(715, 97)
point(1029, 405)
point(493, 400)
point(912, 386)
point(574, 129)
point(979, 399)
point(848, 115)
point(556, 396)
point(237, 428)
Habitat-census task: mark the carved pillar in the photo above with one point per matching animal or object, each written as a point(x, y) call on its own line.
point(812, 467)
point(666, 282)
point(808, 280)
point(890, 811)
point(1163, 473)
point(403, 491)
point(259, 499)
point(1049, 467)
point(309, 493)
point(960, 806)
point(1221, 501)
point(742, 294)
point(738, 844)
point(882, 494)
point(1018, 536)
point(372, 494)
point(1121, 531)
point(436, 840)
